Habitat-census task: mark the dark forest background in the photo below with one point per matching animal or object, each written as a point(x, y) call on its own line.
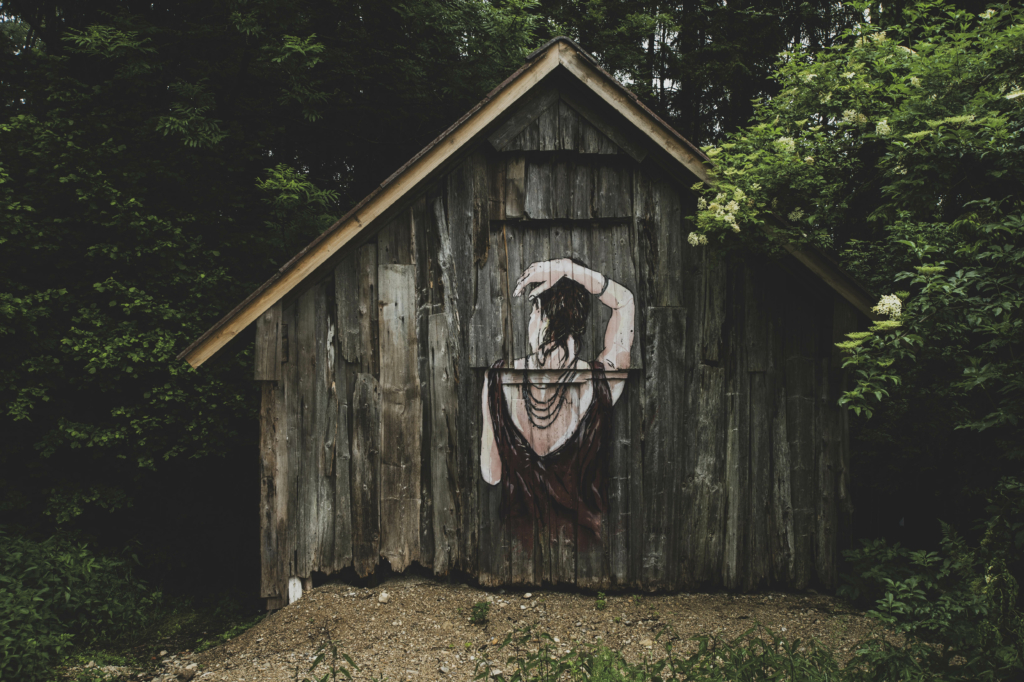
point(159, 160)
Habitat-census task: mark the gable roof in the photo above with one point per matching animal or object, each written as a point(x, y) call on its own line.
point(559, 54)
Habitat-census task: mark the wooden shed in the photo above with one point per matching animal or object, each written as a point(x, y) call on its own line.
point(508, 362)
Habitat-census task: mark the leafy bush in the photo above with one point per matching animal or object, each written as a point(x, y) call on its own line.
point(56, 593)
point(956, 612)
point(601, 602)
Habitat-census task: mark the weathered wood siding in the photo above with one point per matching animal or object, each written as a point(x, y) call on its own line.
point(729, 458)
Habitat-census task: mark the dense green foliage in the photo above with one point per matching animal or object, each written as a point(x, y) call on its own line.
point(900, 151)
point(56, 594)
point(956, 611)
point(157, 162)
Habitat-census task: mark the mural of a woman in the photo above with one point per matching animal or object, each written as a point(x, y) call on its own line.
point(546, 430)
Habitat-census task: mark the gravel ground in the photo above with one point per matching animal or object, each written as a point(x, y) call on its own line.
point(423, 634)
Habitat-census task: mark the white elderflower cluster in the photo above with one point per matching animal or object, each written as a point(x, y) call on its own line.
point(796, 214)
point(915, 81)
point(889, 305)
point(808, 77)
point(702, 204)
point(738, 194)
point(907, 50)
point(826, 98)
point(987, 14)
point(851, 116)
point(882, 128)
point(808, 159)
point(879, 37)
point(1015, 94)
point(785, 144)
point(849, 74)
point(725, 209)
point(697, 239)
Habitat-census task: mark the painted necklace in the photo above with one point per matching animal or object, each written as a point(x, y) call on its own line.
point(542, 412)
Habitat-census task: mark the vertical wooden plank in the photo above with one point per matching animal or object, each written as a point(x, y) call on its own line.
point(325, 425)
point(800, 404)
point(845, 502)
point(487, 338)
point(342, 461)
point(582, 191)
point(268, 344)
point(547, 129)
point(631, 403)
point(613, 191)
point(515, 186)
point(394, 241)
point(401, 417)
point(530, 137)
point(783, 545)
point(538, 201)
point(422, 258)
point(519, 309)
point(735, 561)
point(365, 474)
point(755, 322)
point(568, 127)
point(670, 246)
point(466, 194)
point(591, 141)
point(272, 565)
point(496, 166)
point(369, 352)
point(759, 511)
point(828, 445)
point(307, 455)
point(443, 444)
point(665, 435)
point(714, 306)
point(350, 324)
point(707, 525)
point(561, 200)
point(290, 474)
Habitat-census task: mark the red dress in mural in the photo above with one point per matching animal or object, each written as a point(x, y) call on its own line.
point(548, 419)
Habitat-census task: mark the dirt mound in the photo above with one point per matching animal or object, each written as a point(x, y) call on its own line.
point(423, 632)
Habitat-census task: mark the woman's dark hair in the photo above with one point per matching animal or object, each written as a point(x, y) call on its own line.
point(566, 305)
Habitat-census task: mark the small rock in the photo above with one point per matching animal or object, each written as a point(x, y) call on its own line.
point(527, 595)
point(396, 623)
point(90, 664)
point(495, 672)
point(647, 643)
point(523, 607)
point(557, 641)
point(163, 653)
point(444, 669)
point(191, 666)
point(384, 597)
point(533, 603)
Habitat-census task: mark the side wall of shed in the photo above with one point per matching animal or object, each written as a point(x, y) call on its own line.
point(729, 457)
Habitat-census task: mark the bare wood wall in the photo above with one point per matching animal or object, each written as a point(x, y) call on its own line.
point(729, 460)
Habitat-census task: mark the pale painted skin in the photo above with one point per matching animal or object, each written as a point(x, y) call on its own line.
point(618, 340)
